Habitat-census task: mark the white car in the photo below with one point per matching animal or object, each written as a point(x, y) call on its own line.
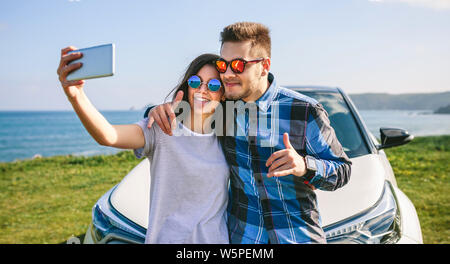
point(370, 209)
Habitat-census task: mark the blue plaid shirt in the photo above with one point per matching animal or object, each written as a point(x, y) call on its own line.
point(281, 209)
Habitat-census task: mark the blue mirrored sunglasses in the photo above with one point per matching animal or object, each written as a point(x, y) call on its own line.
point(195, 82)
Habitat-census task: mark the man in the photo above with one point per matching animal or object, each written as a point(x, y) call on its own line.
point(272, 197)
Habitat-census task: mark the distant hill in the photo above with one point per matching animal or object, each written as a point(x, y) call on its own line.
point(443, 110)
point(385, 101)
point(382, 101)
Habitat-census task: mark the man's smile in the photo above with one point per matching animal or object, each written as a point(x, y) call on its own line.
point(231, 84)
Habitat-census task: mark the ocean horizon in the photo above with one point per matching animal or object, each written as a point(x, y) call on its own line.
point(25, 134)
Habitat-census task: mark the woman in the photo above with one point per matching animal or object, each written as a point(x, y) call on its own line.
point(188, 194)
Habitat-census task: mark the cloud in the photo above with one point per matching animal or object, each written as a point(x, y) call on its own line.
point(434, 4)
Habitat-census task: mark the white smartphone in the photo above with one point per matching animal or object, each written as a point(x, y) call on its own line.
point(97, 62)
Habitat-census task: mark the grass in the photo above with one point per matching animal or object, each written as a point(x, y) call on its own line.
point(48, 200)
point(423, 174)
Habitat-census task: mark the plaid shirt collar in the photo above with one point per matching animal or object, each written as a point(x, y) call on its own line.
point(267, 98)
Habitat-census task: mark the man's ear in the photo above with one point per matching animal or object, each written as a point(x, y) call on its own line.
point(266, 66)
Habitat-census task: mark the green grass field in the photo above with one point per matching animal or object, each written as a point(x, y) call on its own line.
point(423, 173)
point(48, 200)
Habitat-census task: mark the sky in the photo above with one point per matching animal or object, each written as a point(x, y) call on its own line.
point(362, 46)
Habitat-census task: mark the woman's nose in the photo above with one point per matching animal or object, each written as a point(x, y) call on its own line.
point(203, 87)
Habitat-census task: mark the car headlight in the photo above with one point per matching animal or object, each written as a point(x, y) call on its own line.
point(379, 224)
point(109, 226)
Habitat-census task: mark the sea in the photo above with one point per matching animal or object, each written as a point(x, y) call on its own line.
point(26, 134)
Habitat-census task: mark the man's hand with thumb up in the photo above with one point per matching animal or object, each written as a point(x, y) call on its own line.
point(286, 161)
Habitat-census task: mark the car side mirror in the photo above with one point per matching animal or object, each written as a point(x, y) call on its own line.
point(392, 137)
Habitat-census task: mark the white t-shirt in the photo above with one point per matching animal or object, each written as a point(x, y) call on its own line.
point(189, 186)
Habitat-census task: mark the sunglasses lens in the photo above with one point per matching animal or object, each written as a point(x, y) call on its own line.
point(194, 81)
point(237, 66)
point(221, 66)
point(214, 85)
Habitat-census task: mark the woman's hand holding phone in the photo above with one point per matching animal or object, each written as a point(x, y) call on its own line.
point(71, 88)
point(129, 136)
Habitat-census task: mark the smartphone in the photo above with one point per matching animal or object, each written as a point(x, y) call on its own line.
point(98, 61)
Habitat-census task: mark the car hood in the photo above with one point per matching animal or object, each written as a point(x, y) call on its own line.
point(131, 196)
point(361, 192)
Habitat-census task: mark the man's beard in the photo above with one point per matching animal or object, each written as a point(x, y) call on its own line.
point(239, 96)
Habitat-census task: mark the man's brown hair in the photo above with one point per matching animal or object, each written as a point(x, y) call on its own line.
point(256, 33)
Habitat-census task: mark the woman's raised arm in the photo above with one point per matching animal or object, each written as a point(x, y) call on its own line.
point(119, 136)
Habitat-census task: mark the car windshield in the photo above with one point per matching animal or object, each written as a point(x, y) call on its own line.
point(342, 121)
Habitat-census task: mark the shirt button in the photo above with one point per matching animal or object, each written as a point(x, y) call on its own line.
point(258, 177)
